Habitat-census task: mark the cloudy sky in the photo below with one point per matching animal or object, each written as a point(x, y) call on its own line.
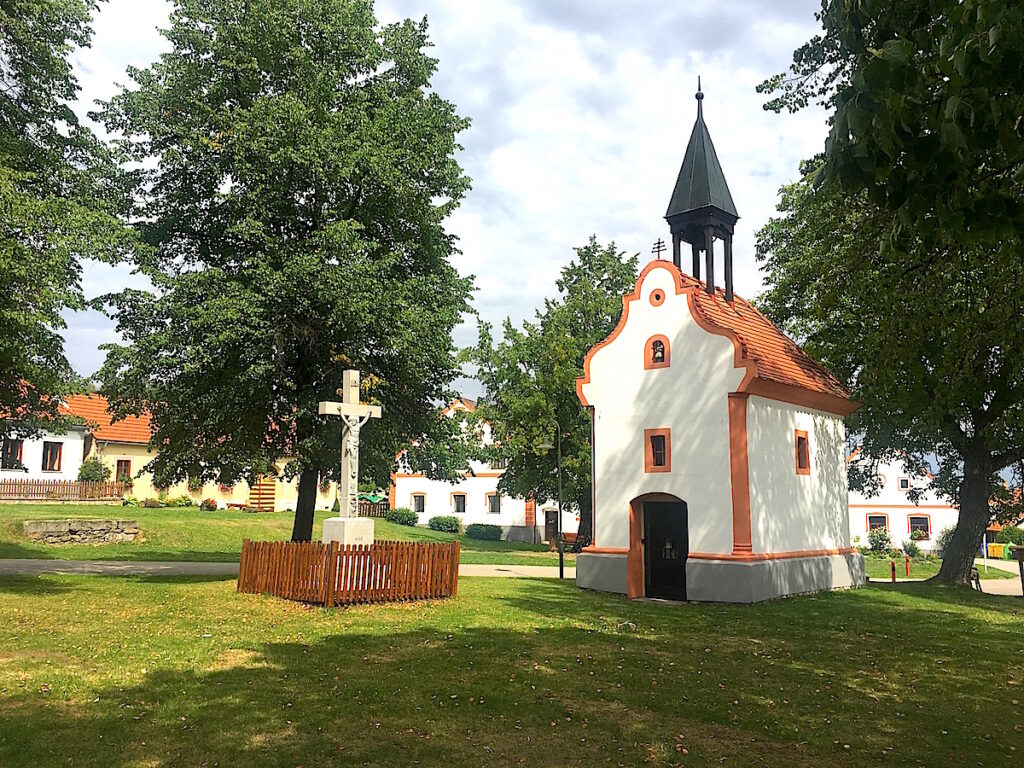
point(581, 110)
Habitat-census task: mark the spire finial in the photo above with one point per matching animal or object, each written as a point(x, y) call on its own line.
point(700, 98)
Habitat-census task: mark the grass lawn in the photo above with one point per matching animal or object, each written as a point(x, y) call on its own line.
point(879, 568)
point(188, 534)
point(111, 671)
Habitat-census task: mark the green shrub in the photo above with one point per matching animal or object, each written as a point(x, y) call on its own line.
point(129, 501)
point(911, 548)
point(447, 523)
point(181, 501)
point(483, 532)
point(1011, 534)
point(402, 516)
point(208, 505)
point(942, 540)
point(93, 471)
point(153, 504)
point(336, 509)
point(195, 484)
point(918, 535)
point(879, 541)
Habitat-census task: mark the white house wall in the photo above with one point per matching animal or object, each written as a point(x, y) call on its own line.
point(790, 512)
point(690, 397)
point(897, 508)
point(72, 453)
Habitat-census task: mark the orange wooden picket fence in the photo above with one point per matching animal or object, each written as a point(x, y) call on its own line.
point(328, 574)
point(61, 490)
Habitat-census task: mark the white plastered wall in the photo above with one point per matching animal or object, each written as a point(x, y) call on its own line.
point(690, 397)
point(72, 452)
point(790, 512)
point(897, 508)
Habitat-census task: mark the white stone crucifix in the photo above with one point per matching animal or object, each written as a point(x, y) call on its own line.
point(349, 528)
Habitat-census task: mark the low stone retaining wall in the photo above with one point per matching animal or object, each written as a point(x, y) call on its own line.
point(81, 531)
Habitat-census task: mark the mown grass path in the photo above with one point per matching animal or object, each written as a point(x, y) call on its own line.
point(154, 672)
point(189, 534)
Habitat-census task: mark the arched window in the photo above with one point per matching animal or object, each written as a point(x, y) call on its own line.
point(656, 352)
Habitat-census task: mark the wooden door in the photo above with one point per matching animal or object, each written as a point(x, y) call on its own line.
point(550, 524)
point(666, 547)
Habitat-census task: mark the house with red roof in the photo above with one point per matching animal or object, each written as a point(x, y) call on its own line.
point(719, 464)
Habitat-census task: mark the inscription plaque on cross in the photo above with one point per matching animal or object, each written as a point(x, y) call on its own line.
point(354, 416)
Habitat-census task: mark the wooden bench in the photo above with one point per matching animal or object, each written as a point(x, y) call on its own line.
point(568, 539)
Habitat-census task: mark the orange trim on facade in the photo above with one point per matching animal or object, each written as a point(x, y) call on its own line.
point(901, 506)
point(758, 556)
point(786, 393)
point(869, 515)
point(797, 435)
point(926, 517)
point(657, 297)
point(649, 352)
point(487, 501)
point(392, 493)
point(412, 500)
point(606, 550)
point(635, 554)
point(739, 474)
point(649, 465)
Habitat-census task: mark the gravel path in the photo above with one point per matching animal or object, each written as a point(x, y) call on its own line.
point(229, 570)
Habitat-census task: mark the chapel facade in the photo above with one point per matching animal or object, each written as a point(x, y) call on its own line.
point(719, 464)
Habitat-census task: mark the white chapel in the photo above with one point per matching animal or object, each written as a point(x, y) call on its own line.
point(719, 444)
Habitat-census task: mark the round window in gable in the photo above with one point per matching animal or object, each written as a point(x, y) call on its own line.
point(657, 297)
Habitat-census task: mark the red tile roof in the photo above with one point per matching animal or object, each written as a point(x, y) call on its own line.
point(94, 410)
point(777, 357)
point(776, 366)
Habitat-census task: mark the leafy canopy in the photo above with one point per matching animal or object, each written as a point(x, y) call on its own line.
point(529, 379)
point(295, 171)
point(925, 100)
point(60, 194)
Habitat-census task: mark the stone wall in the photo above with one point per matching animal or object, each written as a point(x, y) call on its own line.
point(81, 531)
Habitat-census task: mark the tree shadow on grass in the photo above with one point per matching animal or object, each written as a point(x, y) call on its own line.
point(37, 584)
point(777, 683)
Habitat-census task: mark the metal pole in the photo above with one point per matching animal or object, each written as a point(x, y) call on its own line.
point(561, 543)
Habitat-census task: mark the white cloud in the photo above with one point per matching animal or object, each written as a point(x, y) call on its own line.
point(581, 113)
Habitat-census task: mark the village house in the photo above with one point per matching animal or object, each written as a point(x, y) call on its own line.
point(49, 456)
point(893, 510)
point(475, 498)
point(123, 447)
point(718, 444)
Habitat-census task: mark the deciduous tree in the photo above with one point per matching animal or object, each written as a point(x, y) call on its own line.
point(296, 169)
point(59, 199)
point(932, 346)
point(529, 379)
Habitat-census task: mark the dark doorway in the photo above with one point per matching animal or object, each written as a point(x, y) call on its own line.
point(550, 524)
point(666, 546)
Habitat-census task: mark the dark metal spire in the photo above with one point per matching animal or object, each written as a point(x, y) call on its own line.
point(701, 207)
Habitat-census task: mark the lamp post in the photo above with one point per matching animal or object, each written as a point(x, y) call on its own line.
point(546, 446)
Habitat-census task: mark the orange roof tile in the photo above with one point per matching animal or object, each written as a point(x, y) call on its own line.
point(777, 357)
point(94, 409)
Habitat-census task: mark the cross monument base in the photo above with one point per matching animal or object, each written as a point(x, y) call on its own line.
point(348, 531)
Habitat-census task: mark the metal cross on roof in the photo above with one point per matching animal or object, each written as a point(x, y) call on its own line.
point(659, 248)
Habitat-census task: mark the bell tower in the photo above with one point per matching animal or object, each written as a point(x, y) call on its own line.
point(701, 208)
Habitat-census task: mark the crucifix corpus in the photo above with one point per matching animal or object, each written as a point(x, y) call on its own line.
point(349, 528)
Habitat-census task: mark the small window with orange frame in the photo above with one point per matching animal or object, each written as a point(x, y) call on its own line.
point(803, 453)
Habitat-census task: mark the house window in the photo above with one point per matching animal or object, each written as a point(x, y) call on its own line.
point(124, 470)
point(459, 500)
point(418, 503)
point(657, 450)
point(51, 456)
point(877, 521)
point(493, 504)
point(10, 456)
point(904, 483)
point(499, 464)
point(920, 523)
point(803, 453)
point(656, 352)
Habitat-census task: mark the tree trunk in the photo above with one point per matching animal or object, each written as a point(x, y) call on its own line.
point(958, 559)
point(305, 506)
point(585, 533)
